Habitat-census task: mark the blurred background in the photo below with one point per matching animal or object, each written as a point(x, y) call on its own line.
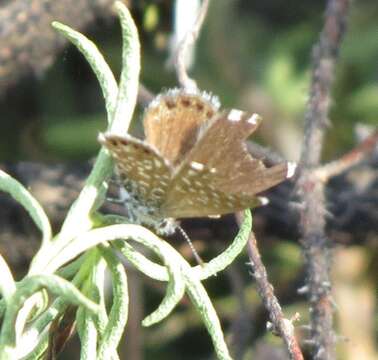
point(256, 56)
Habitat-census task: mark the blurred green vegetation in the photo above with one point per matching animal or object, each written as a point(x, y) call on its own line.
point(255, 55)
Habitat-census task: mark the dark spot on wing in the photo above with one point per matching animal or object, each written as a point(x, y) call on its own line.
point(210, 114)
point(113, 142)
point(185, 102)
point(170, 103)
point(199, 107)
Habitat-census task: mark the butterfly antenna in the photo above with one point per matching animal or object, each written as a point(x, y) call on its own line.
point(194, 251)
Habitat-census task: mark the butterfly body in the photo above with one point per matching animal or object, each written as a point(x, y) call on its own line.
point(193, 163)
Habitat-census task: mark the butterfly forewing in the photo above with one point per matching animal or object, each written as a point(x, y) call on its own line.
point(142, 170)
point(221, 146)
point(172, 121)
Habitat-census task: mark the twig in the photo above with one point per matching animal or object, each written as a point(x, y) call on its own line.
point(192, 35)
point(269, 156)
point(334, 168)
point(282, 326)
point(311, 190)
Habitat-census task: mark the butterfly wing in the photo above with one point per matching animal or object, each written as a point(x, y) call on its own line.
point(140, 167)
point(218, 175)
point(221, 146)
point(172, 120)
point(195, 194)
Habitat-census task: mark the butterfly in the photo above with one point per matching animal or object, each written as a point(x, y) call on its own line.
point(193, 162)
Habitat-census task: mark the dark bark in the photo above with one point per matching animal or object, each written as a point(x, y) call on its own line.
point(29, 44)
point(315, 242)
point(352, 205)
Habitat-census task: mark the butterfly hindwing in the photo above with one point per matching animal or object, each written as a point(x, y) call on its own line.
point(139, 165)
point(172, 120)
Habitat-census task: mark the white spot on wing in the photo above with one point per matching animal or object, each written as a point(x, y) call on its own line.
point(253, 119)
point(291, 167)
point(263, 200)
point(197, 166)
point(235, 115)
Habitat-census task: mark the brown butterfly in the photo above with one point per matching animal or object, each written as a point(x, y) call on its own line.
point(193, 163)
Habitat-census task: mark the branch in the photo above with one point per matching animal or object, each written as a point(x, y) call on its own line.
point(353, 157)
point(189, 39)
point(311, 191)
point(282, 326)
point(350, 198)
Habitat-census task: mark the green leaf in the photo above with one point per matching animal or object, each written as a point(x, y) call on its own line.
point(32, 206)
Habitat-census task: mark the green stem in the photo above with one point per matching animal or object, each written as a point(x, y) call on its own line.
point(111, 335)
point(78, 219)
